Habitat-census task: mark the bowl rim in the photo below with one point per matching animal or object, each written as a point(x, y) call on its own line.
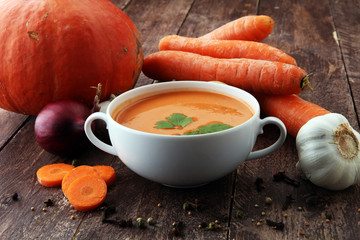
point(156, 88)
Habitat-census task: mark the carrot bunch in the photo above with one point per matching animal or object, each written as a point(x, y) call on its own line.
point(84, 186)
point(233, 54)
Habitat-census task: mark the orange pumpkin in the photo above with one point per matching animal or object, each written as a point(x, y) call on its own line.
point(52, 50)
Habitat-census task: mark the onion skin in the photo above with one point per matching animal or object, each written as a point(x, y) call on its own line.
point(59, 127)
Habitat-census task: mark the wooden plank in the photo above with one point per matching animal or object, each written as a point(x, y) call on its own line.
point(348, 36)
point(10, 123)
point(206, 16)
point(19, 161)
point(155, 19)
point(303, 29)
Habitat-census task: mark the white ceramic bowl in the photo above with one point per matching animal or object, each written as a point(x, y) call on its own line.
point(184, 161)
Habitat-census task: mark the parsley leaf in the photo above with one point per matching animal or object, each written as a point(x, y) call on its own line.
point(179, 119)
point(164, 124)
point(176, 119)
point(214, 127)
point(196, 132)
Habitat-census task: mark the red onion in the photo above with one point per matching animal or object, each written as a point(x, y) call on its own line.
point(59, 127)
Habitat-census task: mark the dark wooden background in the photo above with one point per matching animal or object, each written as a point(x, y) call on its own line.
point(324, 38)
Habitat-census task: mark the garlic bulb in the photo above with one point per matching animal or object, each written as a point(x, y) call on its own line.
point(328, 150)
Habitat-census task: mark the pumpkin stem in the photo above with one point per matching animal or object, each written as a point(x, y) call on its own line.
point(347, 142)
point(96, 101)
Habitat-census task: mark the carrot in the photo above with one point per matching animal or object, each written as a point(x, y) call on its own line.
point(52, 175)
point(107, 173)
point(225, 48)
point(87, 192)
point(251, 28)
point(291, 109)
point(76, 173)
point(248, 74)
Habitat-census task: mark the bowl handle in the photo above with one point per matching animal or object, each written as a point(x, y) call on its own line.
point(91, 136)
point(274, 146)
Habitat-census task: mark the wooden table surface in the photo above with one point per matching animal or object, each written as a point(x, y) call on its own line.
point(324, 38)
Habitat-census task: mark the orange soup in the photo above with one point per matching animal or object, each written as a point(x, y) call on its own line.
point(183, 112)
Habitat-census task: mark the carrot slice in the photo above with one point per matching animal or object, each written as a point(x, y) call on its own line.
point(87, 193)
point(76, 173)
point(107, 173)
point(52, 175)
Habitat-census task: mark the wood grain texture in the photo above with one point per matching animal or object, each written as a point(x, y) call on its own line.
point(150, 16)
point(206, 16)
point(19, 161)
point(305, 30)
point(10, 124)
point(347, 31)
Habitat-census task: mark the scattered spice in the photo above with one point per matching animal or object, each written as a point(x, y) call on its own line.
point(302, 232)
point(140, 223)
point(108, 212)
point(108, 218)
point(176, 228)
point(49, 203)
point(72, 217)
point(299, 208)
point(44, 209)
point(268, 200)
point(15, 197)
point(159, 205)
point(275, 225)
point(151, 221)
point(263, 213)
point(186, 206)
point(202, 225)
point(358, 210)
point(256, 205)
point(10, 198)
point(281, 176)
point(211, 225)
point(285, 215)
point(259, 183)
point(258, 224)
point(195, 205)
point(306, 224)
point(32, 209)
point(289, 199)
